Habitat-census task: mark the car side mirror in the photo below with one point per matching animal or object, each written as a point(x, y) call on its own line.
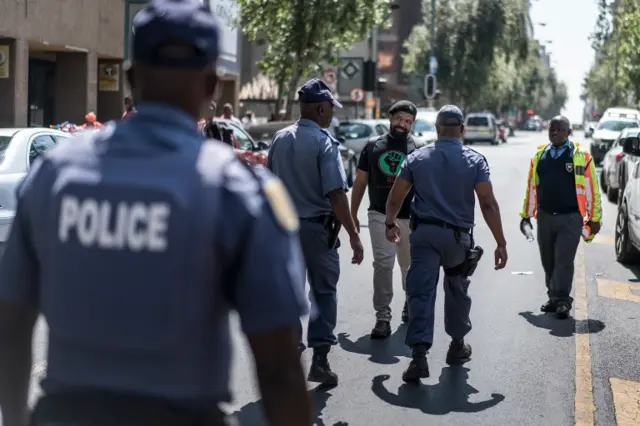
point(631, 146)
point(263, 146)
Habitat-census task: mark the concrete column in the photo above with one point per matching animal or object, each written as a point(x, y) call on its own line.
point(14, 91)
point(111, 103)
point(76, 86)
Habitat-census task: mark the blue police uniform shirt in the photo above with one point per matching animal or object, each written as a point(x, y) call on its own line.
point(557, 152)
point(444, 175)
point(135, 242)
point(307, 160)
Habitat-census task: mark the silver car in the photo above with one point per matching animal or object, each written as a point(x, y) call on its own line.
point(19, 148)
point(356, 133)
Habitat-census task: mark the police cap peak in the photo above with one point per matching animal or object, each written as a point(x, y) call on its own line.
point(450, 115)
point(176, 34)
point(404, 106)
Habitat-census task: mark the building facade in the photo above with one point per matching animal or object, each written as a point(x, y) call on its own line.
point(60, 59)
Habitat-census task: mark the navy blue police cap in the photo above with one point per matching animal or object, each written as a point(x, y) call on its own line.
point(316, 91)
point(175, 34)
point(450, 115)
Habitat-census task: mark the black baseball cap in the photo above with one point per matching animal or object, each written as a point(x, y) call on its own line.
point(175, 34)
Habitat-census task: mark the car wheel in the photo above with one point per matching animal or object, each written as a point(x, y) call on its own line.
point(495, 142)
point(625, 251)
point(351, 173)
point(612, 195)
point(603, 183)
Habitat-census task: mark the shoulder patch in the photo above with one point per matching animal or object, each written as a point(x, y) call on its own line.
point(281, 204)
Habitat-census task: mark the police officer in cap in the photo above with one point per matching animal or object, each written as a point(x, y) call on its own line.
point(444, 176)
point(151, 236)
point(307, 159)
point(378, 167)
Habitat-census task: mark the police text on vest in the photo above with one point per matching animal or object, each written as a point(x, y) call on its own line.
point(136, 226)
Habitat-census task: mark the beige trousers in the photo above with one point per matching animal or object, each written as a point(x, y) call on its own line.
point(384, 259)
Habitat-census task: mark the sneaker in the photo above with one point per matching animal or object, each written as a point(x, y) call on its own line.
point(382, 330)
point(459, 352)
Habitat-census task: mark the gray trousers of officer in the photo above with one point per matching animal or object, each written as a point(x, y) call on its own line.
point(323, 272)
point(558, 239)
point(433, 247)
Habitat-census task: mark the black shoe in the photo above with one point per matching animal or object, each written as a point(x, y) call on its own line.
point(418, 367)
point(405, 313)
point(320, 371)
point(382, 330)
point(563, 310)
point(459, 352)
point(549, 307)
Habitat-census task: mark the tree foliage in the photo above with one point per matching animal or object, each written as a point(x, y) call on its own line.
point(485, 57)
point(299, 34)
point(615, 77)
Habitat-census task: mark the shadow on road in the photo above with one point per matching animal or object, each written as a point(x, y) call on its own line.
point(253, 415)
point(563, 327)
point(384, 351)
point(450, 394)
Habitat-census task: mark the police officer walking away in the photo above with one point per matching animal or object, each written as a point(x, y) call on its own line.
point(307, 159)
point(563, 193)
point(444, 176)
point(152, 236)
point(378, 166)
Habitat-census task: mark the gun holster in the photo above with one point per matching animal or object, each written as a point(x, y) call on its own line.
point(413, 222)
point(332, 225)
point(468, 267)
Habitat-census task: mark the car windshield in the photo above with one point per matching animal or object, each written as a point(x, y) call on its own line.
point(351, 131)
point(617, 125)
point(421, 126)
point(4, 144)
point(478, 121)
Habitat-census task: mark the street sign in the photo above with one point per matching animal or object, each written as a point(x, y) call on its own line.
point(430, 86)
point(357, 95)
point(433, 65)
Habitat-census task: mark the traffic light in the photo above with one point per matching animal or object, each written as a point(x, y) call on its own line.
point(369, 76)
point(430, 86)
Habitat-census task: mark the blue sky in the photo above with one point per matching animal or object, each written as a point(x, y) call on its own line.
point(568, 26)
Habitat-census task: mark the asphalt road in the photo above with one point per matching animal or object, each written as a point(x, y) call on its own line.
point(527, 368)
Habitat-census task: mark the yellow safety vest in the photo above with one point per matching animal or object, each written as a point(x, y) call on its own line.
point(587, 190)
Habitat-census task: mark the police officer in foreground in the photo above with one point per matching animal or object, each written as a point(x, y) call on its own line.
point(444, 176)
point(378, 167)
point(151, 236)
point(562, 192)
point(307, 159)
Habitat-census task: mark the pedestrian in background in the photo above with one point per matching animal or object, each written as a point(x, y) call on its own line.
point(227, 114)
point(563, 194)
point(307, 159)
point(129, 108)
point(379, 165)
point(154, 235)
point(444, 176)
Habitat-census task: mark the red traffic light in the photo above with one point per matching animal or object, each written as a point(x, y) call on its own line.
point(530, 111)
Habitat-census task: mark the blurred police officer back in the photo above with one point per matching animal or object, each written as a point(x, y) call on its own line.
point(444, 177)
point(154, 235)
point(307, 159)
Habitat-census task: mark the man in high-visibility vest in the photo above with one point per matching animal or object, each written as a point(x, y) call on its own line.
point(563, 194)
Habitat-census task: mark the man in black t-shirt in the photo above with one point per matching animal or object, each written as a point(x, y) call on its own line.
point(379, 164)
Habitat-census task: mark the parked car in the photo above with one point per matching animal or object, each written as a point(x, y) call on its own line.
point(356, 133)
point(607, 131)
point(533, 125)
point(424, 132)
point(481, 127)
point(627, 230)
point(19, 148)
point(265, 132)
point(624, 166)
point(251, 151)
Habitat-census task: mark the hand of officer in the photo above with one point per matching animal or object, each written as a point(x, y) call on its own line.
point(500, 257)
point(394, 234)
point(595, 227)
point(358, 250)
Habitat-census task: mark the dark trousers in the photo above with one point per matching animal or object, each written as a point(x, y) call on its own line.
point(323, 272)
point(558, 239)
point(102, 408)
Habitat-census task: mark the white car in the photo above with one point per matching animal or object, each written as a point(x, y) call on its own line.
point(356, 133)
point(607, 131)
point(424, 132)
point(18, 150)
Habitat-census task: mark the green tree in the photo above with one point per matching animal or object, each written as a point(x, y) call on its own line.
point(302, 33)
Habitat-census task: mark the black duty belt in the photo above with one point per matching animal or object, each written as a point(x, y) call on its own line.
point(443, 224)
point(315, 219)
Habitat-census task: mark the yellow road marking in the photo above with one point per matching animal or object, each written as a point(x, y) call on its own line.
point(626, 401)
point(604, 239)
point(621, 290)
point(584, 406)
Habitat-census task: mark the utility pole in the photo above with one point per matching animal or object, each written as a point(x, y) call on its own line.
point(432, 43)
point(369, 98)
